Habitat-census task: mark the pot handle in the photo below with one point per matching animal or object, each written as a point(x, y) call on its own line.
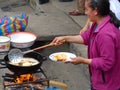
point(2, 62)
point(58, 84)
point(61, 85)
point(44, 58)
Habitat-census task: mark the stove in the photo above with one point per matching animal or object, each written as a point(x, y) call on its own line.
point(37, 81)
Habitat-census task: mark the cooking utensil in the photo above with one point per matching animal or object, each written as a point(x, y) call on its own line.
point(25, 69)
point(16, 55)
point(22, 39)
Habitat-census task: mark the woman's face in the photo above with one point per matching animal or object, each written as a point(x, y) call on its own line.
point(90, 12)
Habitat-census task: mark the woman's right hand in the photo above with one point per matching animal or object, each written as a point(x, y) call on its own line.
point(59, 40)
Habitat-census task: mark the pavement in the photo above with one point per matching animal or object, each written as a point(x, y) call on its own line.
point(48, 21)
point(51, 20)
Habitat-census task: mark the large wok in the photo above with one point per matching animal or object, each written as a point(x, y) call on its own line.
point(26, 69)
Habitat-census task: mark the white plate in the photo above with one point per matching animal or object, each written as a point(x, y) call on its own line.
point(68, 54)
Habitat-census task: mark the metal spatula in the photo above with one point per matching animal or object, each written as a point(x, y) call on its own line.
point(16, 55)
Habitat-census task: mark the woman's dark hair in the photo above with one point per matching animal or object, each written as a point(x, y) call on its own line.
point(103, 7)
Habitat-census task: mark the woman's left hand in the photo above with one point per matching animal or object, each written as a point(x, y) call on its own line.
point(75, 61)
point(79, 60)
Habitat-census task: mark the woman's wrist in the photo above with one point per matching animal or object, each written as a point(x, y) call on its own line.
point(87, 61)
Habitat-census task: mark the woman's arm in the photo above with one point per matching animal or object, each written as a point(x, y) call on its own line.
point(73, 39)
point(79, 60)
point(85, 27)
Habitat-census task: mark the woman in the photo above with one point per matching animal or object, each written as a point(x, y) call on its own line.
point(114, 7)
point(103, 40)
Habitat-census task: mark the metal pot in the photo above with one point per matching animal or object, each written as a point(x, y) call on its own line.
point(4, 43)
point(26, 69)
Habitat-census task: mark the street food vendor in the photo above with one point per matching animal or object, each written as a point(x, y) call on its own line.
point(103, 40)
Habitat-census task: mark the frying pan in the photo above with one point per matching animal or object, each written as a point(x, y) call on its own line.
point(25, 69)
point(16, 55)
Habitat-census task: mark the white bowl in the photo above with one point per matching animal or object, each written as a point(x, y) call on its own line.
point(22, 39)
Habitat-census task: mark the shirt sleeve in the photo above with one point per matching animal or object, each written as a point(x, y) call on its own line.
point(86, 37)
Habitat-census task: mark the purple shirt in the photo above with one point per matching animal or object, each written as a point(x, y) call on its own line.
point(104, 50)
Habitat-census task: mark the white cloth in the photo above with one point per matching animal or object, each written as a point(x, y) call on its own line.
point(115, 7)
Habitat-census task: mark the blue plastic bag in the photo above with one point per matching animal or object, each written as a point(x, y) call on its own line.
point(53, 88)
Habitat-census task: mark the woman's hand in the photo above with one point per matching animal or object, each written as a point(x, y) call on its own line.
point(59, 40)
point(79, 60)
point(71, 39)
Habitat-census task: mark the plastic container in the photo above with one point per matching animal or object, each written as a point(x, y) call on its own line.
point(4, 43)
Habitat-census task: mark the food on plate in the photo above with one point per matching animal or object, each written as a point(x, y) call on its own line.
point(26, 62)
point(60, 57)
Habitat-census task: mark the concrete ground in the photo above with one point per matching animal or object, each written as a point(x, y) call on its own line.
point(52, 19)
